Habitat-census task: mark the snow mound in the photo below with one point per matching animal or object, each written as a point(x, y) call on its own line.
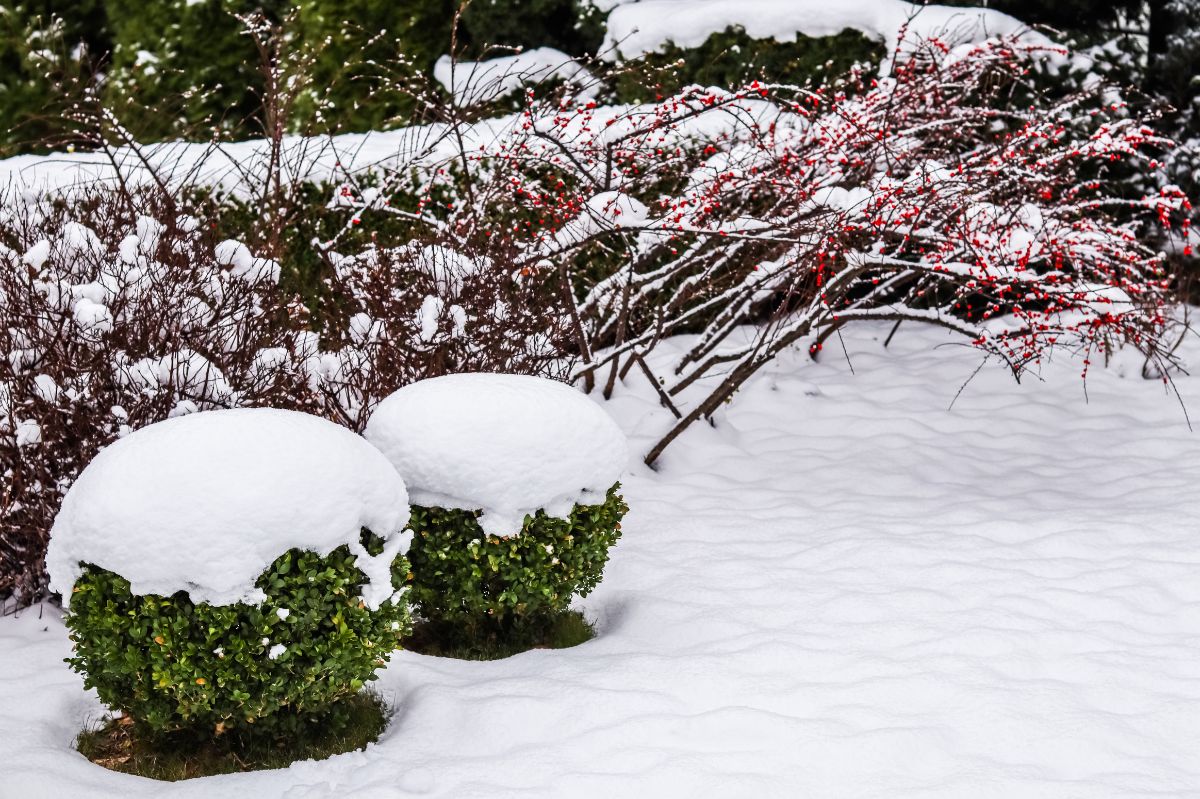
point(204, 503)
point(504, 444)
point(644, 27)
point(474, 82)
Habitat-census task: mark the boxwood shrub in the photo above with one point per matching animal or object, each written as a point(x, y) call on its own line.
point(490, 585)
point(173, 665)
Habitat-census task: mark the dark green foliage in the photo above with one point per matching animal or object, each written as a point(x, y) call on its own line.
point(1174, 72)
point(487, 586)
point(1060, 14)
point(46, 49)
point(574, 26)
point(177, 66)
point(732, 58)
point(84, 22)
point(126, 747)
point(176, 666)
point(367, 49)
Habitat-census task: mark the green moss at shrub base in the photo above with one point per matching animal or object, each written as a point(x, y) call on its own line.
point(125, 746)
point(488, 641)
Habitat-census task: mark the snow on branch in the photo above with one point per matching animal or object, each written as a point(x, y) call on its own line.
point(949, 191)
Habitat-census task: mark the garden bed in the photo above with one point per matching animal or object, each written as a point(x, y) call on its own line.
point(844, 588)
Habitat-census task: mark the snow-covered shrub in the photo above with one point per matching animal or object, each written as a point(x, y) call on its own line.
point(949, 189)
point(480, 583)
point(513, 481)
point(233, 571)
point(117, 311)
point(420, 310)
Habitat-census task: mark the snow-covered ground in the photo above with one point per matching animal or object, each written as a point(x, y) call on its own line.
point(844, 589)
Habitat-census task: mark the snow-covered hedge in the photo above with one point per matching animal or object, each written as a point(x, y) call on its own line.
point(115, 312)
point(513, 481)
point(233, 571)
point(572, 239)
point(120, 310)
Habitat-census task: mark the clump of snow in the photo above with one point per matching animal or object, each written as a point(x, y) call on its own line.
point(46, 388)
point(187, 370)
point(28, 432)
point(92, 315)
point(508, 445)
point(449, 268)
point(37, 255)
point(841, 199)
point(203, 503)
point(472, 82)
point(644, 27)
point(243, 264)
point(605, 211)
point(428, 315)
point(80, 241)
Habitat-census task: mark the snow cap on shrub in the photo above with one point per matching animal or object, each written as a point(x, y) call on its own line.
point(204, 503)
point(507, 445)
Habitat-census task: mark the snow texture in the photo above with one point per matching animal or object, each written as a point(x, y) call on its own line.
point(472, 82)
point(635, 28)
point(608, 210)
point(448, 267)
point(243, 264)
point(843, 589)
point(508, 445)
point(204, 503)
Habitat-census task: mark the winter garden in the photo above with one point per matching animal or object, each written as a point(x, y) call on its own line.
point(577, 398)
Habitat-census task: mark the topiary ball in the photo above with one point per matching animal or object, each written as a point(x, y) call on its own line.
point(514, 485)
point(470, 580)
point(221, 571)
point(267, 669)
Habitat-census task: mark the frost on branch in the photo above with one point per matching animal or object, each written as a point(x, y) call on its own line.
point(430, 308)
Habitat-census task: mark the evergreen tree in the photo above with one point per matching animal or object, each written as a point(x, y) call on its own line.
point(574, 26)
point(1174, 67)
point(45, 48)
point(182, 64)
point(364, 47)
